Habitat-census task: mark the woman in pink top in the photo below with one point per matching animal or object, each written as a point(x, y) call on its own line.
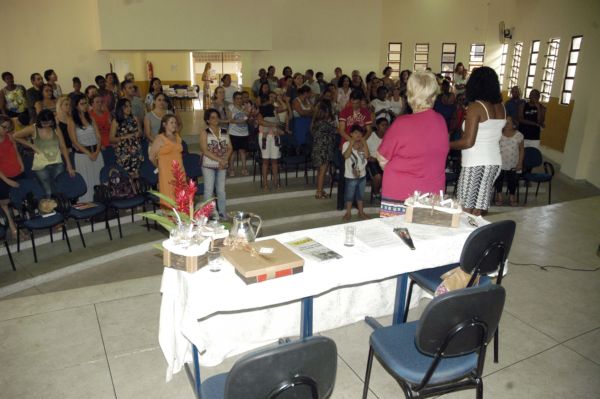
point(414, 149)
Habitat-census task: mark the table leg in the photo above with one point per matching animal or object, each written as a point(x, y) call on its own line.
point(195, 378)
point(306, 322)
point(400, 302)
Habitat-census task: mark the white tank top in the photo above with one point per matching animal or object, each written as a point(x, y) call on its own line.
point(486, 150)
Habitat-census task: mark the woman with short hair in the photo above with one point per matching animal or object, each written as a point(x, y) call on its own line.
point(414, 149)
point(480, 141)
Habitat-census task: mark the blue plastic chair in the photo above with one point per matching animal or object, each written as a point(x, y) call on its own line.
point(299, 369)
point(3, 226)
point(485, 251)
point(445, 350)
point(532, 159)
point(73, 188)
point(117, 204)
point(24, 199)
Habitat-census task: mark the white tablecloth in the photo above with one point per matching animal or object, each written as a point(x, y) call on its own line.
point(223, 316)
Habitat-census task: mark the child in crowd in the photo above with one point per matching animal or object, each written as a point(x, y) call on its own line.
point(356, 153)
point(512, 150)
point(373, 142)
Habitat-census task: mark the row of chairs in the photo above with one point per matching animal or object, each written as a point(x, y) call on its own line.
point(444, 351)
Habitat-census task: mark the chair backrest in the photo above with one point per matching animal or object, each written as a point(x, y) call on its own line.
point(192, 164)
point(286, 368)
point(18, 195)
point(108, 155)
point(532, 158)
point(487, 248)
point(147, 173)
point(72, 187)
point(469, 308)
point(105, 172)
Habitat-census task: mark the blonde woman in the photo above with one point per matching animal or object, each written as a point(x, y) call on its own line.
point(63, 114)
point(414, 149)
point(207, 80)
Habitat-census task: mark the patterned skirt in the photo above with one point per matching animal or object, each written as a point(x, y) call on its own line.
point(391, 207)
point(475, 186)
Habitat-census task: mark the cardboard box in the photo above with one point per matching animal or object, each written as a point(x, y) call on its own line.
point(254, 269)
point(432, 216)
point(189, 261)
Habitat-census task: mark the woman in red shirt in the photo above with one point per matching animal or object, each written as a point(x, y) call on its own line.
point(11, 167)
point(414, 149)
point(103, 120)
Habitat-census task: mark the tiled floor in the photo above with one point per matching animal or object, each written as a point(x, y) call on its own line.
point(92, 332)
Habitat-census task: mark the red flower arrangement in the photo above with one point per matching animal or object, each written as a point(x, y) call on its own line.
point(183, 207)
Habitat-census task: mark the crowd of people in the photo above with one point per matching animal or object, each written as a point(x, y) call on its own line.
point(405, 127)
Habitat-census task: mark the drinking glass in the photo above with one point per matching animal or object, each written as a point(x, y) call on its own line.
point(214, 259)
point(349, 233)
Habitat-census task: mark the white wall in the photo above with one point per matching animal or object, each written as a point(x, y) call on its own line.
point(184, 24)
point(62, 35)
point(320, 35)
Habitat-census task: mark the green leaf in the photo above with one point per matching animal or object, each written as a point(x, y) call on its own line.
point(165, 198)
point(164, 221)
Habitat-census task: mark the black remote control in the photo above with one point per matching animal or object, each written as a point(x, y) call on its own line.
point(403, 233)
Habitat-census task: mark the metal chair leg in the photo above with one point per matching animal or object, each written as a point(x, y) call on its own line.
point(408, 297)
point(119, 222)
point(66, 236)
point(549, 192)
point(51, 234)
point(80, 234)
point(368, 373)
point(537, 189)
point(12, 262)
point(526, 191)
point(479, 389)
point(33, 246)
point(18, 239)
point(107, 225)
point(496, 345)
point(132, 213)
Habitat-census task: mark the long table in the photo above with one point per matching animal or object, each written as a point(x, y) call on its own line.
point(207, 316)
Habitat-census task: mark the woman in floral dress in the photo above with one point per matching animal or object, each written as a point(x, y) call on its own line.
point(125, 135)
point(324, 131)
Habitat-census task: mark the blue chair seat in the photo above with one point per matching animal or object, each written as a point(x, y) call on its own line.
point(430, 279)
point(398, 342)
point(538, 177)
point(214, 387)
point(152, 198)
point(87, 213)
point(127, 203)
point(39, 223)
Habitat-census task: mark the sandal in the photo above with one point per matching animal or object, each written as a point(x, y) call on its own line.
point(513, 201)
point(231, 173)
point(244, 172)
point(321, 195)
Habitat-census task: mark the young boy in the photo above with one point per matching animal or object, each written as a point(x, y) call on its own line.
point(356, 153)
point(512, 151)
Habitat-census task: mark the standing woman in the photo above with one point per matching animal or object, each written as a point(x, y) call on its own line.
point(113, 84)
point(216, 150)
point(103, 120)
point(86, 144)
point(206, 80)
point(324, 132)
point(269, 141)
point(219, 103)
point(48, 100)
point(11, 168)
point(48, 145)
point(532, 117)
point(387, 78)
point(480, 142)
point(165, 149)
point(153, 119)
point(126, 136)
point(51, 79)
point(414, 149)
point(63, 114)
point(396, 103)
point(343, 92)
point(460, 78)
point(297, 83)
point(303, 111)
point(153, 91)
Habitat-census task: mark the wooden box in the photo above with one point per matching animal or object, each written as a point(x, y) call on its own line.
point(187, 260)
point(254, 269)
point(432, 216)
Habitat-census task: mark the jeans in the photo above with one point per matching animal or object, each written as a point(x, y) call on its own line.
point(48, 175)
point(214, 179)
point(355, 189)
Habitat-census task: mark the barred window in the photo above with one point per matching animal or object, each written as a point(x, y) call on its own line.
point(516, 64)
point(533, 59)
point(572, 61)
point(448, 59)
point(421, 56)
point(476, 56)
point(394, 58)
point(503, 63)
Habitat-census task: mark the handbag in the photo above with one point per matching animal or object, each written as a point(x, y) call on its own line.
point(454, 279)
